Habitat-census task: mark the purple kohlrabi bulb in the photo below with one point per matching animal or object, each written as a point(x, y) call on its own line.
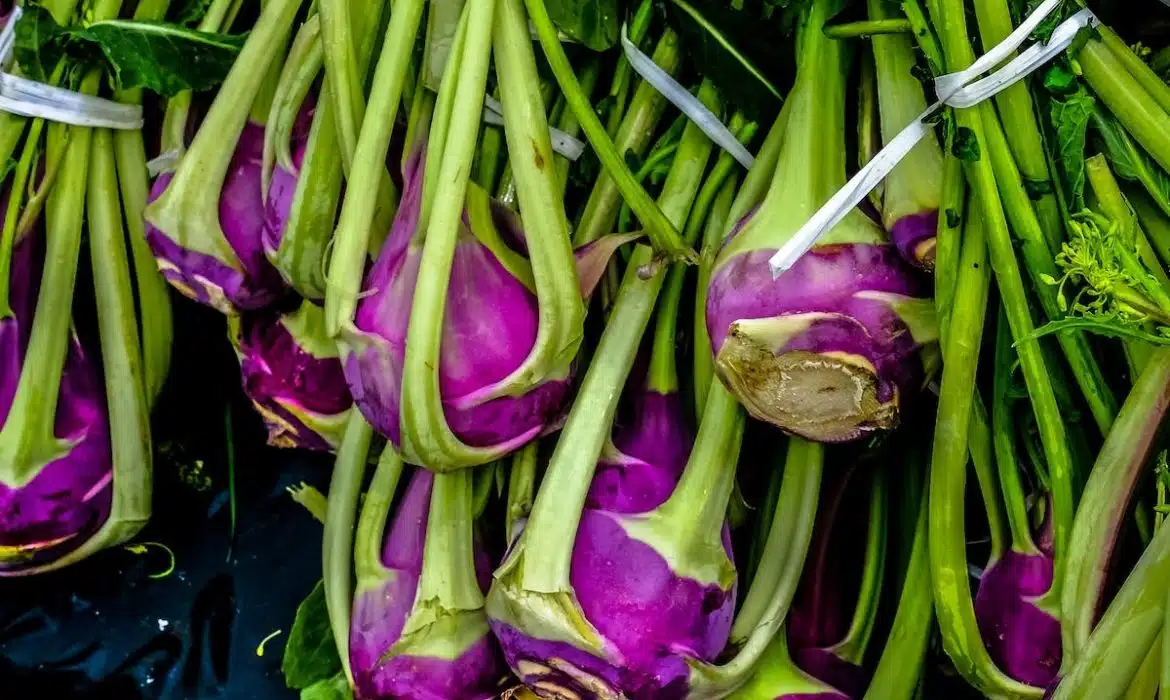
point(292, 374)
point(824, 351)
point(209, 279)
point(489, 329)
point(382, 611)
point(641, 468)
point(1023, 639)
point(70, 497)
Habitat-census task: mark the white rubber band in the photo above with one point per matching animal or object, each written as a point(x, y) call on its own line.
point(680, 97)
point(961, 89)
point(564, 144)
point(29, 98)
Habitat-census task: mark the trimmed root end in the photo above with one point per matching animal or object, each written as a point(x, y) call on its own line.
point(820, 397)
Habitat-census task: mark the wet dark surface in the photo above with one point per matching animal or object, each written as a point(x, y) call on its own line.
point(107, 629)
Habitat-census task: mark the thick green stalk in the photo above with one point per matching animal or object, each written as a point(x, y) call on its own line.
point(1128, 629)
point(154, 297)
point(29, 159)
point(867, 28)
point(950, 225)
point(619, 89)
point(521, 487)
point(1139, 69)
point(713, 233)
point(567, 122)
point(1104, 502)
point(369, 571)
point(126, 398)
point(359, 208)
point(174, 125)
point(900, 667)
point(785, 551)
point(188, 211)
point(853, 647)
point(982, 179)
point(1153, 221)
point(337, 540)
point(555, 516)
point(1141, 115)
point(1017, 110)
point(1037, 255)
point(1005, 442)
point(28, 441)
point(637, 128)
point(1144, 685)
point(948, 474)
point(664, 236)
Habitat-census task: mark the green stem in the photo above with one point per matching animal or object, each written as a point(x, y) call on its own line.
point(567, 122)
point(1119, 465)
point(856, 641)
point(785, 552)
point(448, 570)
point(1001, 249)
point(1041, 266)
point(924, 33)
point(948, 474)
point(637, 128)
point(713, 232)
point(1024, 137)
point(1139, 69)
point(1114, 206)
point(619, 89)
point(557, 510)
point(952, 205)
point(174, 125)
point(337, 540)
point(359, 208)
point(663, 235)
point(348, 49)
point(28, 440)
point(1112, 655)
point(981, 447)
point(1153, 221)
point(868, 28)
point(369, 571)
point(29, 158)
point(521, 487)
point(900, 667)
point(1140, 114)
point(1144, 685)
point(1005, 442)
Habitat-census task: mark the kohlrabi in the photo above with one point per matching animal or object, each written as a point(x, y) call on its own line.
point(461, 347)
point(206, 220)
point(292, 374)
point(832, 348)
point(418, 628)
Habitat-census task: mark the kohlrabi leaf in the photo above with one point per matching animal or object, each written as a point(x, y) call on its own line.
point(1129, 161)
point(731, 47)
point(310, 656)
point(1070, 120)
point(162, 57)
point(965, 146)
point(335, 688)
point(159, 56)
point(594, 23)
point(39, 43)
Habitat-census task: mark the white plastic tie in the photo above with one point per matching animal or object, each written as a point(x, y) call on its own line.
point(564, 144)
point(962, 89)
point(680, 97)
point(29, 98)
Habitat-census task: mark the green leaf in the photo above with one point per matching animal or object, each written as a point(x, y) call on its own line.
point(1104, 328)
point(162, 57)
point(1129, 161)
point(310, 655)
point(965, 145)
point(730, 48)
point(39, 43)
point(335, 688)
point(1070, 118)
point(593, 23)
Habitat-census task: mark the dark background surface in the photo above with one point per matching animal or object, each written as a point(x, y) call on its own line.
point(106, 629)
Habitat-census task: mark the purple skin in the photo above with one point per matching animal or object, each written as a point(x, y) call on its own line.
point(286, 383)
point(379, 616)
point(69, 498)
point(1023, 640)
point(489, 329)
point(915, 236)
point(212, 281)
point(651, 453)
point(865, 335)
point(652, 619)
point(283, 187)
